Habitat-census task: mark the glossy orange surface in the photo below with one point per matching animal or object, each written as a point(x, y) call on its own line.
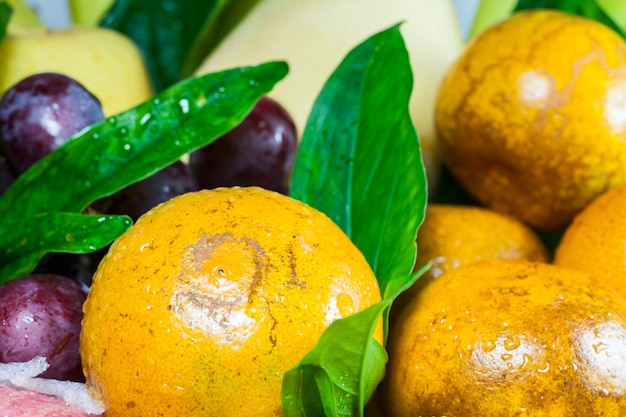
point(509, 338)
point(456, 235)
point(209, 298)
point(595, 242)
point(531, 118)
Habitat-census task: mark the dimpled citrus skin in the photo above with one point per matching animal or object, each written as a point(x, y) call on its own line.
point(594, 242)
point(209, 298)
point(455, 235)
point(509, 338)
point(530, 117)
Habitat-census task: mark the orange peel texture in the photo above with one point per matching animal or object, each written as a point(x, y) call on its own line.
point(210, 297)
point(530, 118)
point(509, 338)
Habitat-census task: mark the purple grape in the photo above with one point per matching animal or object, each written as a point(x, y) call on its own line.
point(138, 198)
point(40, 315)
point(39, 113)
point(260, 151)
point(77, 266)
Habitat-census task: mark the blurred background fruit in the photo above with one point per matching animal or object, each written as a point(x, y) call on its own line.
point(260, 151)
point(57, 12)
point(40, 113)
point(595, 242)
point(456, 235)
point(89, 12)
point(313, 36)
point(530, 118)
point(228, 288)
point(106, 62)
point(502, 338)
point(40, 315)
point(23, 17)
point(54, 14)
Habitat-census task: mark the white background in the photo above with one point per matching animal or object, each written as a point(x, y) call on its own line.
point(54, 13)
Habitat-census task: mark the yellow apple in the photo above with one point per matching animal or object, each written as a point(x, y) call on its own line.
point(106, 62)
point(314, 35)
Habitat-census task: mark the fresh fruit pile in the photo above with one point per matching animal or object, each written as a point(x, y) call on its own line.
point(201, 236)
point(516, 337)
point(538, 137)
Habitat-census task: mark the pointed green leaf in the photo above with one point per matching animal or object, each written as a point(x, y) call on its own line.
point(133, 145)
point(30, 238)
point(616, 11)
point(128, 147)
point(359, 161)
point(343, 369)
point(339, 375)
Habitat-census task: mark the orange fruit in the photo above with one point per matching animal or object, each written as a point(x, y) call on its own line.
point(530, 118)
point(596, 240)
point(455, 235)
point(210, 297)
point(509, 338)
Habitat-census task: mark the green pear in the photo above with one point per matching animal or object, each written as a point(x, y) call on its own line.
point(23, 16)
point(313, 36)
point(89, 12)
point(106, 62)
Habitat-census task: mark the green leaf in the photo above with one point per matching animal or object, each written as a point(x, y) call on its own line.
point(337, 378)
point(616, 11)
point(400, 284)
point(130, 146)
point(133, 145)
point(5, 16)
point(586, 8)
point(164, 30)
point(359, 160)
point(339, 375)
point(167, 31)
point(224, 17)
point(31, 238)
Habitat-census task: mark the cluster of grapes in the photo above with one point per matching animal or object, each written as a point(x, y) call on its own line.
point(40, 314)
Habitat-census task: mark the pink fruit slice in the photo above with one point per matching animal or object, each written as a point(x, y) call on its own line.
point(16, 402)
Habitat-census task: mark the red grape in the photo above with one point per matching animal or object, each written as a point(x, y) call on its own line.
point(141, 196)
point(40, 315)
point(39, 113)
point(259, 151)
